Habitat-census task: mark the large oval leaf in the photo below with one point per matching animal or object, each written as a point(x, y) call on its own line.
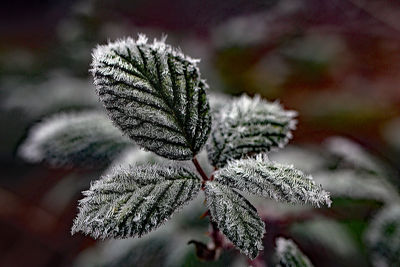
point(155, 94)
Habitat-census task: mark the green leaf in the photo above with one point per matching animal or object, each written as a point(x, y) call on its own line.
point(289, 254)
point(249, 125)
point(154, 94)
point(82, 139)
point(134, 201)
point(236, 218)
point(383, 237)
point(263, 177)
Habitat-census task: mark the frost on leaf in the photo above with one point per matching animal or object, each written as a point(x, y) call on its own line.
point(154, 94)
point(289, 255)
point(262, 177)
point(383, 237)
point(134, 201)
point(85, 138)
point(236, 218)
point(249, 125)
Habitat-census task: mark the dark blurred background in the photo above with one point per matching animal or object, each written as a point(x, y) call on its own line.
point(336, 62)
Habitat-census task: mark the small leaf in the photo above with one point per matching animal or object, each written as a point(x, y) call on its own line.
point(236, 218)
point(154, 94)
point(134, 201)
point(85, 138)
point(265, 178)
point(289, 254)
point(247, 126)
point(383, 237)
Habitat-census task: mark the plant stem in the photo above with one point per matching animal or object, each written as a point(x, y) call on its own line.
point(215, 233)
point(200, 169)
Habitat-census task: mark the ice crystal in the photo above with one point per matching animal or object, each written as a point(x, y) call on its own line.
point(262, 177)
point(236, 218)
point(383, 237)
point(76, 138)
point(289, 254)
point(134, 201)
point(154, 94)
point(249, 125)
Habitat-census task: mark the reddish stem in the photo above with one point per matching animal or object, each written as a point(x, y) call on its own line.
point(200, 169)
point(215, 233)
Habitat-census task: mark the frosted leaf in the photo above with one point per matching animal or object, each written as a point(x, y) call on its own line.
point(383, 237)
point(249, 125)
point(134, 201)
point(289, 255)
point(262, 177)
point(154, 94)
point(236, 218)
point(75, 138)
point(356, 185)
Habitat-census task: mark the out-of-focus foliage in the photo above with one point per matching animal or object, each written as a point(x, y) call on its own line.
point(383, 237)
point(74, 139)
point(289, 254)
point(58, 91)
point(344, 169)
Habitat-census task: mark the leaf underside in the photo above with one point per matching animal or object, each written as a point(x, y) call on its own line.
point(248, 125)
point(262, 177)
point(155, 95)
point(134, 201)
point(236, 218)
point(74, 139)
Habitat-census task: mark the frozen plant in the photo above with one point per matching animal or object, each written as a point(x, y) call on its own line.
point(156, 97)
